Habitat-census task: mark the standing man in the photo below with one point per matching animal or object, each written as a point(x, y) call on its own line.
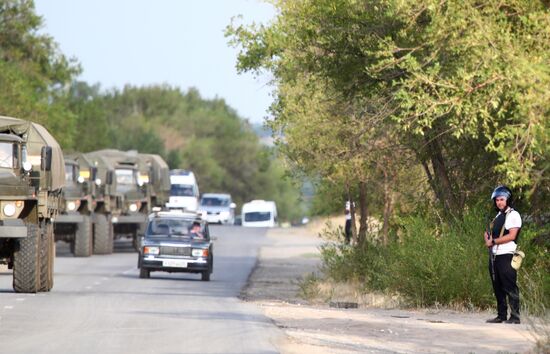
point(502, 241)
point(347, 228)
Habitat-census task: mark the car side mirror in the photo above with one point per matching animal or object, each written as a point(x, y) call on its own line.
point(46, 158)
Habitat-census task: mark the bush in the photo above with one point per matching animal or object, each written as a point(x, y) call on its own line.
point(430, 264)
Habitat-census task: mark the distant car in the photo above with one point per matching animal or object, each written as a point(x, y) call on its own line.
point(170, 245)
point(218, 208)
point(259, 213)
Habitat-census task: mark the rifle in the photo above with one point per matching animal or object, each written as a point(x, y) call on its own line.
point(490, 249)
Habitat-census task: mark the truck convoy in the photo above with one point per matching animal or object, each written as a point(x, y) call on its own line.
point(32, 176)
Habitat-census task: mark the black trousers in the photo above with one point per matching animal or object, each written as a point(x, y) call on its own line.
point(347, 231)
point(505, 286)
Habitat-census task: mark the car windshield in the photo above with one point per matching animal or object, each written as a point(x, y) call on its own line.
point(257, 216)
point(169, 227)
point(181, 190)
point(6, 155)
point(214, 201)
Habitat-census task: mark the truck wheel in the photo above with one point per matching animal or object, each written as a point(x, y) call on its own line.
point(26, 267)
point(205, 275)
point(83, 242)
point(144, 273)
point(47, 256)
point(103, 238)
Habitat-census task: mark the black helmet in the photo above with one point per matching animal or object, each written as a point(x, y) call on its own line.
point(502, 191)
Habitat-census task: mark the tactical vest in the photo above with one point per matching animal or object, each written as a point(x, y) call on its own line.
point(498, 224)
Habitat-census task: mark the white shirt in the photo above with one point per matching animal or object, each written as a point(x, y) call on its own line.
point(513, 220)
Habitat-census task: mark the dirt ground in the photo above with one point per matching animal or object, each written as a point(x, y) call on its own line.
point(293, 254)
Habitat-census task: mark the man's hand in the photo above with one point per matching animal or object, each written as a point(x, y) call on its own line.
point(488, 240)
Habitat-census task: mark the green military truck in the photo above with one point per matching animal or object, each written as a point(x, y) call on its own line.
point(106, 201)
point(74, 222)
point(155, 176)
point(129, 207)
point(31, 180)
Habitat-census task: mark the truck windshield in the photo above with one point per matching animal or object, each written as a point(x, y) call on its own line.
point(69, 173)
point(181, 190)
point(125, 177)
point(257, 216)
point(6, 155)
point(210, 201)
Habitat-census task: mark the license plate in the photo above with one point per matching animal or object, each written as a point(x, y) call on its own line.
point(177, 263)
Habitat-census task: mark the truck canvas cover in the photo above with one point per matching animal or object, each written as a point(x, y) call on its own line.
point(36, 136)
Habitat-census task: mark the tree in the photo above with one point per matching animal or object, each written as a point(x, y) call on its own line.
point(456, 86)
point(34, 74)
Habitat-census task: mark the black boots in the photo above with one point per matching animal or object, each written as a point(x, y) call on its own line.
point(496, 320)
point(513, 320)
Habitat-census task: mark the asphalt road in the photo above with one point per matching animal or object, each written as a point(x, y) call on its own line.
point(99, 305)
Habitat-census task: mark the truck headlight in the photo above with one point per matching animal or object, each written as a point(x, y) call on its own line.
point(151, 250)
point(9, 209)
point(71, 206)
point(199, 252)
point(133, 207)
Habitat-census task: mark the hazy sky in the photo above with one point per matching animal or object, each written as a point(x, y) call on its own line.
point(143, 42)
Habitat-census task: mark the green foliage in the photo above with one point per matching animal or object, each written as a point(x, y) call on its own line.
point(205, 136)
point(33, 72)
point(369, 87)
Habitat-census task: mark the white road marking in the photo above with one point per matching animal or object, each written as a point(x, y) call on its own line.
point(97, 283)
point(7, 307)
point(128, 271)
point(20, 299)
point(88, 287)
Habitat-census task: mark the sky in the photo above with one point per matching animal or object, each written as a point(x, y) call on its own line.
point(175, 42)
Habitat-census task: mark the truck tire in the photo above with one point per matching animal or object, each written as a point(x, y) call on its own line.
point(47, 256)
point(103, 235)
point(83, 238)
point(26, 267)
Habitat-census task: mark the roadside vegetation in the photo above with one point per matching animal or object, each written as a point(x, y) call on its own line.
point(39, 83)
point(415, 111)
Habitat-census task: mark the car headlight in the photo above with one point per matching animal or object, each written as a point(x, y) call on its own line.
point(71, 206)
point(151, 250)
point(199, 252)
point(133, 207)
point(9, 209)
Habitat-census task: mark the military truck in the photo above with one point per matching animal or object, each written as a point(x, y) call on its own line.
point(130, 208)
point(31, 181)
point(74, 223)
point(106, 201)
point(155, 176)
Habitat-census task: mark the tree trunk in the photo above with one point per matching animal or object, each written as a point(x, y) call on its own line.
point(362, 236)
point(442, 184)
point(388, 206)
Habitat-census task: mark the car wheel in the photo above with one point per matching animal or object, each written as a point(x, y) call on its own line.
point(205, 275)
point(144, 273)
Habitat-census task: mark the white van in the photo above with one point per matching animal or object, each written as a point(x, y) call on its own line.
point(259, 213)
point(184, 191)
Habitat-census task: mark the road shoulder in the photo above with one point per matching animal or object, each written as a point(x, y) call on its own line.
point(293, 255)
